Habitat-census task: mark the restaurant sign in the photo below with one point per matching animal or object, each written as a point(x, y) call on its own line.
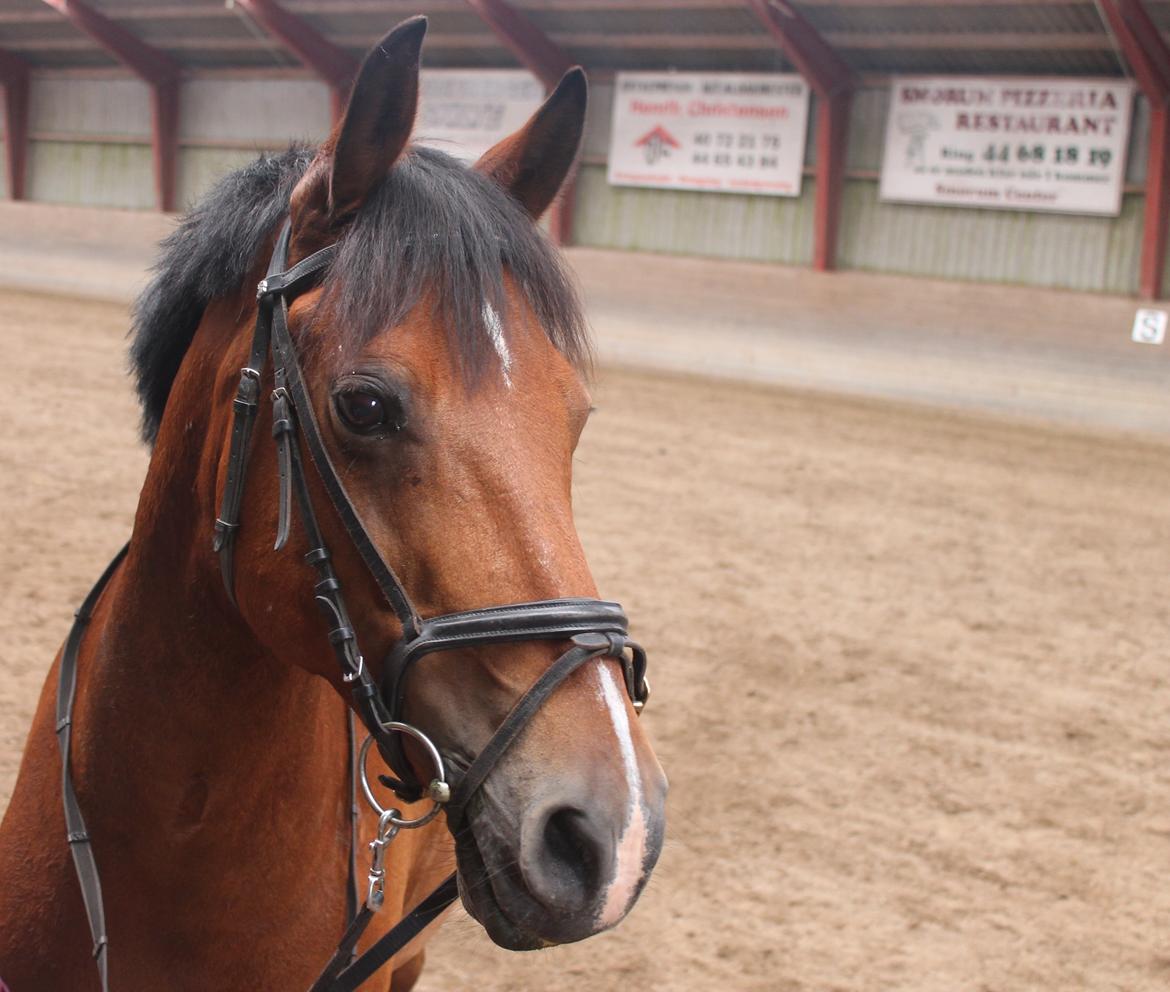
point(1013, 144)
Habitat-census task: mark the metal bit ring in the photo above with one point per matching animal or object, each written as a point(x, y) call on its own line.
point(438, 785)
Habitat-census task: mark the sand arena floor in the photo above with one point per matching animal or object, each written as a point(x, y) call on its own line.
point(910, 672)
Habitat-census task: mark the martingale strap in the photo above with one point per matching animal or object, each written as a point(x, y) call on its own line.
point(344, 974)
point(75, 830)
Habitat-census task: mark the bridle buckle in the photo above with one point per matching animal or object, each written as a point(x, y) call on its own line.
point(355, 674)
point(643, 696)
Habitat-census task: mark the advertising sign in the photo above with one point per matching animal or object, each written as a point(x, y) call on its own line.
point(465, 111)
point(1014, 144)
point(727, 133)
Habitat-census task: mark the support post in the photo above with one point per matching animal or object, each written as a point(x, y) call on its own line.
point(833, 82)
point(14, 78)
point(334, 65)
point(164, 107)
point(154, 67)
point(1147, 54)
point(1156, 222)
point(832, 140)
point(547, 61)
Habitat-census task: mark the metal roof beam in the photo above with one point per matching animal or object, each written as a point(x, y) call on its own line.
point(334, 65)
point(834, 84)
point(548, 62)
point(601, 5)
point(145, 61)
point(1144, 49)
point(157, 69)
point(1011, 41)
point(312, 49)
point(14, 76)
point(936, 4)
point(824, 69)
point(533, 49)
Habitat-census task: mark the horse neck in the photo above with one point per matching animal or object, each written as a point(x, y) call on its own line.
point(186, 708)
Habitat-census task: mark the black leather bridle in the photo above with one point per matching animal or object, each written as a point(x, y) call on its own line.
point(596, 629)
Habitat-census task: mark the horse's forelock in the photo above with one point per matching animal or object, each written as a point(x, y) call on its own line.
point(434, 228)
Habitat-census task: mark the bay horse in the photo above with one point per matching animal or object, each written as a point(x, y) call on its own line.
point(426, 358)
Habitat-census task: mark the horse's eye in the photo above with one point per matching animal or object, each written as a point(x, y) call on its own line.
point(363, 412)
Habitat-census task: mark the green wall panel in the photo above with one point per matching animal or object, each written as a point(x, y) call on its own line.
point(1081, 253)
point(724, 225)
point(199, 168)
point(1096, 254)
point(97, 174)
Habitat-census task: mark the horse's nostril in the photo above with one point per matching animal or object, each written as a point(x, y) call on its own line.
point(569, 844)
point(565, 871)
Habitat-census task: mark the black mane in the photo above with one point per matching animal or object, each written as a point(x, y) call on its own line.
point(431, 226)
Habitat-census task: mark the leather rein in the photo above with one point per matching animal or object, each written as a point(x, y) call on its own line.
point(595, 628)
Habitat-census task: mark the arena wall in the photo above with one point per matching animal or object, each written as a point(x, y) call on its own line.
point(90, 144)
point(1061, 251)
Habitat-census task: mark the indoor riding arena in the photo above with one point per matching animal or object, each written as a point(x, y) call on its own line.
point(878, 464)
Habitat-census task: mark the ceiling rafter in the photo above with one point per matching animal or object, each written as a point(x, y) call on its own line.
point(327, 59)
point(548, 62)
point(839, 40)
point(312, 49)
point(1044, 36)
point(154, 66)
point(534, 50)
point(144, 60)
point(834, 82)
point(1145, 51)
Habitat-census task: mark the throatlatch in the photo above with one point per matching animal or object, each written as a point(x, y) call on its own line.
point(595, 628)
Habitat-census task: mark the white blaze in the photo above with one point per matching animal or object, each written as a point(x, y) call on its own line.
point(631, 846)
point(495, 330)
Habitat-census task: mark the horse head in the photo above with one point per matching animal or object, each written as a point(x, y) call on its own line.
point(444, 354)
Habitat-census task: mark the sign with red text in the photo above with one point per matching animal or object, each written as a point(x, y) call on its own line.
point(465, 111)
point(726, 133)
point(1014, 144)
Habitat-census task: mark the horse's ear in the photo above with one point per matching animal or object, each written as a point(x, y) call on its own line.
point(378, 119)
point(533, 163)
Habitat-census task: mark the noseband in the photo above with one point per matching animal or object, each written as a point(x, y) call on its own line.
point(595, 628)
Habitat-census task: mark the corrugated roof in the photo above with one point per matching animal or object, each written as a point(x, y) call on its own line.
point(1064, 37)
